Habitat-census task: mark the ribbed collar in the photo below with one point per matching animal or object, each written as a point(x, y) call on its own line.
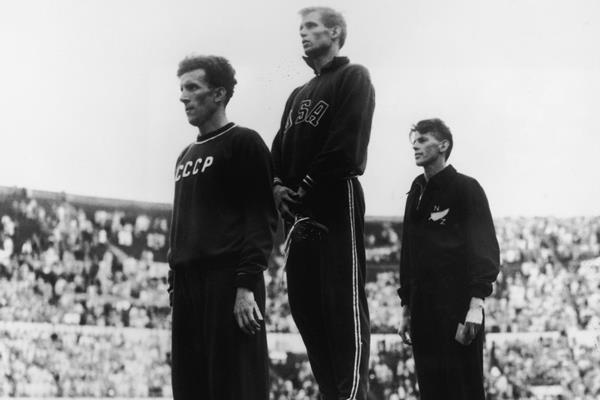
point(211, 135)
point(330, 66)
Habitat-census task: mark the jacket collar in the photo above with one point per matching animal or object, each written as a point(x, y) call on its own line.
point(332, 65)
point(438, 180)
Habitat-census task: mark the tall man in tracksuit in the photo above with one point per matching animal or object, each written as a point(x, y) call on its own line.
point(449, 261)
point(222, 230)
point(319, 151)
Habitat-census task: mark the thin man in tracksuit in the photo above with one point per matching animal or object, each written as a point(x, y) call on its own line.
point(449, 260)
point(221, 236)
point(318, 153)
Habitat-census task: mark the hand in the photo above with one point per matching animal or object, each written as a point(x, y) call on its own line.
point(285, 200)
point(246, 311)
point(474, 319)
point(300, 193)
point(404, 330)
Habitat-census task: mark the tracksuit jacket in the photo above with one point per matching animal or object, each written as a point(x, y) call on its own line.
point(325, 128)
point(449, 242)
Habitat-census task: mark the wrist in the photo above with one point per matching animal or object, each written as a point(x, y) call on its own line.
point(476, 302)
point(243, 291)
point(475, 312)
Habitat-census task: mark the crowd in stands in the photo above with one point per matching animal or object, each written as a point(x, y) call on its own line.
point(38, 360)
point(61, 264)
point(291, 378)
point(41, 361)
point(557, 367)
point(547, 282)
point(81, 264)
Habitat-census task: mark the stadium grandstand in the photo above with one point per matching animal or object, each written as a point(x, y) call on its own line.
point(84, 308)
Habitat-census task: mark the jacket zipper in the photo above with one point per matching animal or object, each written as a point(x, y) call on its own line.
point(421, 194)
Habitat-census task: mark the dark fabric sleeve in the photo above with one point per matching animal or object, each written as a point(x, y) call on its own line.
point(255, 174)
point(276, 146)
point(483, 253)
point(404, 290)
point(345, 150)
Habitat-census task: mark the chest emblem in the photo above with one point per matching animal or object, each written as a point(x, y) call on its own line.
point(439, 216)
point(193, 167)
point(311, 113)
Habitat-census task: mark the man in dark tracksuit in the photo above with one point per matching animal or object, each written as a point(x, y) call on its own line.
point(221, 236)
point(318, 153)
point(449, 260)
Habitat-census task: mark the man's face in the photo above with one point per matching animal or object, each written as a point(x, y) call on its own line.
point(316, 37)
point(197, 96)
point(427, 148)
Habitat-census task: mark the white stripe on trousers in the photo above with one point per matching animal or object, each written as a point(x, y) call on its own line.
point(357, 333)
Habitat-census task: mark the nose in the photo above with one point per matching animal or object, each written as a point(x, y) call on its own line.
point(184, 98)
point(302, 32)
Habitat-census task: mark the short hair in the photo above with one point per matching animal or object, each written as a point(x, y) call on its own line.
point(330, 18)
point(437, 128)
point(218, 71)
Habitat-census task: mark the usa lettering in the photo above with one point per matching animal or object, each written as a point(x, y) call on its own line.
point(309, 113)
point(193, 167)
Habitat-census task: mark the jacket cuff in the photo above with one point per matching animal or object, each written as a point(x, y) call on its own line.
point(481, 290)
point(307, 183)
point(246, 280)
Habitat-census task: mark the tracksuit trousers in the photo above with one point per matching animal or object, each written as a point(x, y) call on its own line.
point(445, 368)
point(212, 358)
point(326, 280)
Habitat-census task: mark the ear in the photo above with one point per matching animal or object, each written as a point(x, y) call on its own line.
point(220, 94)
point(336, 31)
point(444, 145)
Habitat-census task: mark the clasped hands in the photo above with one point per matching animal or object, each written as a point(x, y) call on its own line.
point(287, 200)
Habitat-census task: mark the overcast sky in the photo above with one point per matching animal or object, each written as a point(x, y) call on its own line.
point(89, 96)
